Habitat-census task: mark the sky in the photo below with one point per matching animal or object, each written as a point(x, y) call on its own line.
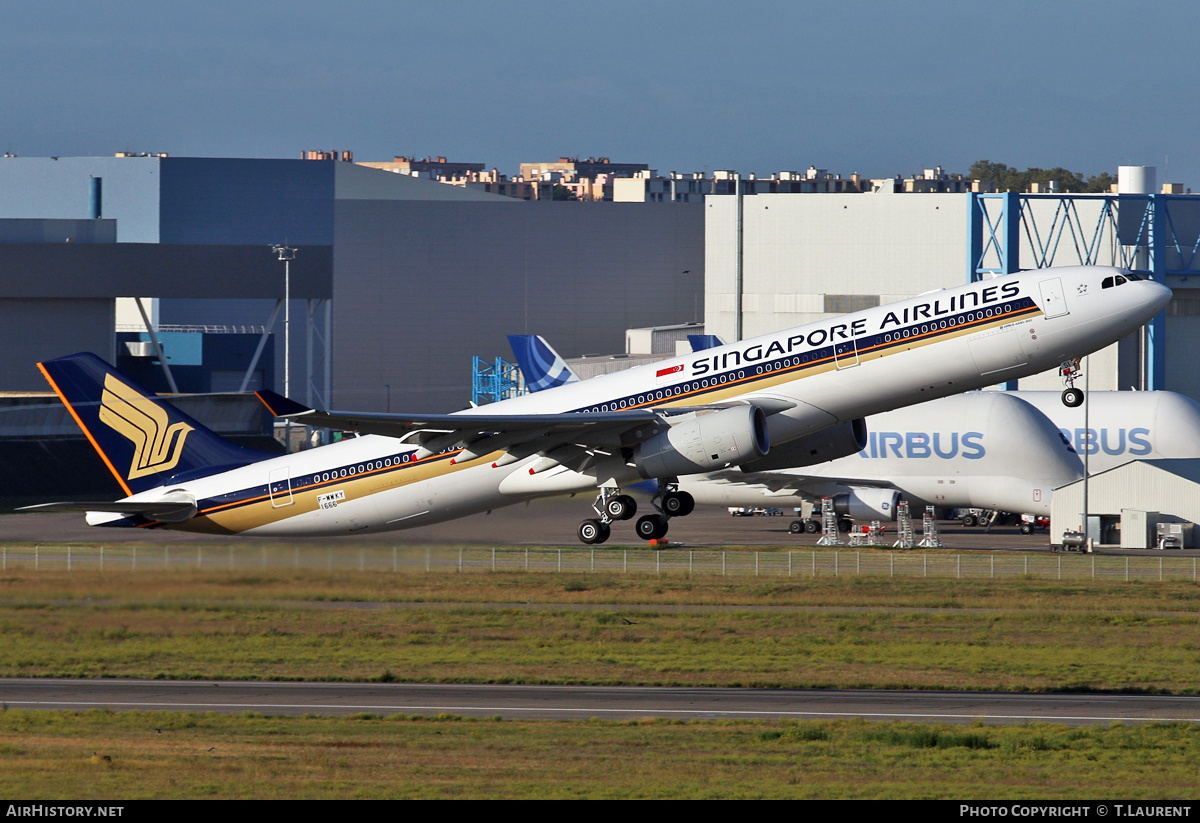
point(879, 88)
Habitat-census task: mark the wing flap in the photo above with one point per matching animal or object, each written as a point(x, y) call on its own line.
point(803, 484)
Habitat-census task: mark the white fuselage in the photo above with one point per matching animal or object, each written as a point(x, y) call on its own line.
point(865, 363)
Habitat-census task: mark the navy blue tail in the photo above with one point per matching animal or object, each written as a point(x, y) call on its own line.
point(144, 440)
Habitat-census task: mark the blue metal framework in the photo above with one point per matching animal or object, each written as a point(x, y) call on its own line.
point(1157, 235)
point(497, 380)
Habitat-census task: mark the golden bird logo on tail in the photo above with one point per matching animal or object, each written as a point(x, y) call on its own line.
point(157, 444)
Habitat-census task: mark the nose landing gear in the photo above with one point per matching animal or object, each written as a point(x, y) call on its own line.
point(1071, 396)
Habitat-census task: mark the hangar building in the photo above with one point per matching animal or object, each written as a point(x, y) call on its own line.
point(1126, 503)
point(396, 281)
point(773, 261)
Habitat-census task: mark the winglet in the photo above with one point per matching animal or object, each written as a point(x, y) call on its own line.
point(281, 406)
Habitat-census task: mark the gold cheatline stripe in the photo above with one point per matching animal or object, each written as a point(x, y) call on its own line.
point(312, 489)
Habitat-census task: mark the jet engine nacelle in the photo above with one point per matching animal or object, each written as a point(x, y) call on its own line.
point(704, 443)
point(867, 504)
point(841, 440)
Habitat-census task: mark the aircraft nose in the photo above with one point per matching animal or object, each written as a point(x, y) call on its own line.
point(1157, 295)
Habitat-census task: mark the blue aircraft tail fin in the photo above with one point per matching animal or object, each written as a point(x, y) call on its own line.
point(542, 366)
point(144, 440)
point(700, 342)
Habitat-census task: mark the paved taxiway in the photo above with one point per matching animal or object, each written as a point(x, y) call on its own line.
point(581, 702)
point(547, 522)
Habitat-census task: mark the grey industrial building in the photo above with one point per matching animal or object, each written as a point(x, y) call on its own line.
point(404, 279)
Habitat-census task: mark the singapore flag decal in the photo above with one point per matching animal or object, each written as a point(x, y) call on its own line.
point(668, 375)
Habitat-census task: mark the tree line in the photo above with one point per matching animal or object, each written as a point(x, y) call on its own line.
point(1008, 178)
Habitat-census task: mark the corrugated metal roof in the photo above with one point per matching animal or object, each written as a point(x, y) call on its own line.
point(1187, 468)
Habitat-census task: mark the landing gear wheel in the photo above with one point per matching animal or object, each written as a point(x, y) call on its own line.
point(1072, 397)
point(844, 526)
point(621, 507)
point(796, 527)
point(678, 504)
point(812, 526)
point(593, 531)
point(969, 520)
point(651, 527)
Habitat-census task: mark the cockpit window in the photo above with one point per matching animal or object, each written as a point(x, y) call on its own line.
point(1107, 283)
point(1132, 276)
point(1118, 280)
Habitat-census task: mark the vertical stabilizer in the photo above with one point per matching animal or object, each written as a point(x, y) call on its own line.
point(700, 342)
point(541, 365)
point(144, 440)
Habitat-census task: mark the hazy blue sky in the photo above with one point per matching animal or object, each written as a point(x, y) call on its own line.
point(881, 88)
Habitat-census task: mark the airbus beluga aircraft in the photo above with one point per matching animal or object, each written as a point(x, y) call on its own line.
point(791, 398)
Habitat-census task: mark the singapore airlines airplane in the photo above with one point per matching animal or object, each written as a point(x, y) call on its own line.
point(996, 451)
point(805, 390)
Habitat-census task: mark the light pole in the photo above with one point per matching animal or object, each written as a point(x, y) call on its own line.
point(1087, 449)
point(287, 254)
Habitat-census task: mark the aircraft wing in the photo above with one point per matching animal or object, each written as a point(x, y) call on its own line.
point(398, 425)
point(477, 434)
point(805, 485)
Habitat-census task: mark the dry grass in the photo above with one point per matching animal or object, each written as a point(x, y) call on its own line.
point(49, 756)
point(851, 633)
point(1025, 594)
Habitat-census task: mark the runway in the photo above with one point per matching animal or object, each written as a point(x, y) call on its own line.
point(583, 702)
point(545, 522)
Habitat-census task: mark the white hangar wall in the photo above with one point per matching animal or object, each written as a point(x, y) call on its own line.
point(1165, 488)
point(809, 257)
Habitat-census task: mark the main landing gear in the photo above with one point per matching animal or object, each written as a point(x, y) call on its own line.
point(1071, 396)
point(611, 505)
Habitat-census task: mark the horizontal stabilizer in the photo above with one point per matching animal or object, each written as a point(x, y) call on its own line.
point(166, 511)
point(281, 406)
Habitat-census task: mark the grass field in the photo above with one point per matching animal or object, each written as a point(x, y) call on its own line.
point(604, 629)
point(537, 628)
point(177, 756)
